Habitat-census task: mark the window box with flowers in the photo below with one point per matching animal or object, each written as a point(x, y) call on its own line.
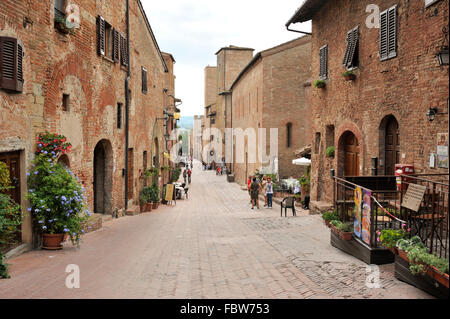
point(321, 84)
point(349, 75)
point(57, 200)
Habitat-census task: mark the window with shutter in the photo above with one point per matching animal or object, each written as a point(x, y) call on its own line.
point(60, 9)
point(144, 80)
point(101, 35)
point(351, 53)
point(11, 64)
point(388, 33)
point(323, 59)
point(109, 41)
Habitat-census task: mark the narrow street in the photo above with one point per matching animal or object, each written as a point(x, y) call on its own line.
point(209, 246)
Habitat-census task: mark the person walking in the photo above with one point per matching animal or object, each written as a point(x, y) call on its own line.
point(263, 186)
point(189, 173)
point(269, 192)
point(255, 188)
point(249, 182)
point(184, 175)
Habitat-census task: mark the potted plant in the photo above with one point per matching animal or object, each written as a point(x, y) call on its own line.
point(57, 200)
point(319, 84)
point(144, 199)
point(154, 195)
point(329, 152)
point(344, 230)
point(330, 216)
point(405, 245)
point(390, 237)
point(305, 182)
point(349, 75)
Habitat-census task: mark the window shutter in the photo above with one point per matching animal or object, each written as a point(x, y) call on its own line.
point(116, 45)
point(347, 50)
point(323, 57)
point(383, 35)
point(123, 51)
point(353, 45)
point(392, 32)
point(101, 35)
point(11, 64)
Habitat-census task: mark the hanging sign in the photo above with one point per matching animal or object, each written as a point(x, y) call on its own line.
point(414, 196)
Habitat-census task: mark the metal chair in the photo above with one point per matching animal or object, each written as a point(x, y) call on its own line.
point(288, 202)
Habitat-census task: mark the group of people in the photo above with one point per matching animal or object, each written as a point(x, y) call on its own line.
point(255, 187)
point(187, 174)
point(221, 169)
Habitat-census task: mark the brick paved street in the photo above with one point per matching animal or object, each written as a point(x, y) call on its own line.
point(210, 246)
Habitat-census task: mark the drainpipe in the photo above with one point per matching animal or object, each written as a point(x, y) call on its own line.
point(127, 105)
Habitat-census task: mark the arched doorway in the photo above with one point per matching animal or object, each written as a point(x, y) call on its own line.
point(389, 144)
point(103, 164)
point(64, 160)
point(349, 154)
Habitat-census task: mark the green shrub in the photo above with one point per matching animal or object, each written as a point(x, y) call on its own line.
point(153, 194)
point(144, 195)
point(390, 237)
point(3, 268)
point(4, 176)
point(319, 83)
point(330, 215)
point(329, 152)
point(10, 220)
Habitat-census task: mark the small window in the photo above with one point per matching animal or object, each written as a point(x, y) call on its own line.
point(66, 103)
point(388, 33)
point(329, 135)
point(144, 80)
point(144, 160)
point(60, 9)
point(317, 143)
point(351, 59)
point(323, 59)
point(288, 134)
point(213, 120)
point(119, 115)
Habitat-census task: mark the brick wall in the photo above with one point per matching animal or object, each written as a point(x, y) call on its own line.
point(405, 86)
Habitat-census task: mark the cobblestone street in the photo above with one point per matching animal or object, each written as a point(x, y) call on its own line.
point(209, 246)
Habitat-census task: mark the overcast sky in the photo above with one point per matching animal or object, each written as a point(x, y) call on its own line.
point(194, 30)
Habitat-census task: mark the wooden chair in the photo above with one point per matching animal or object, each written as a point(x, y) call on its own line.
point(288, 202)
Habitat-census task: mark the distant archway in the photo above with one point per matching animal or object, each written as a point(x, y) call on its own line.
point(103, 179)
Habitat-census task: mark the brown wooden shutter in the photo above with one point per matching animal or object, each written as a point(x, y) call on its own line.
point(323, 57)
point(392, 32)
point(351, 47)
point(101, 35)
point(383, 35)
point(116, 45)
point(347, 50)
point(11, 64)
point(123, 51)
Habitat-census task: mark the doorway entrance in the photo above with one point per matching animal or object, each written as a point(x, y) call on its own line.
point(103, 164)
point(390, 130)
point(349, 154)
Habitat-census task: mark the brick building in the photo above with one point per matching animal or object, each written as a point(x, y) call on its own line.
point(380, 118)
point(272, 91)
point(74, 84)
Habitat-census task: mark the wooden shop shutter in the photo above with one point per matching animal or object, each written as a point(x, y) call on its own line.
point(116, 45)
point(11, 64)
point(101, 35)
point(323, 57)
point(388, 33)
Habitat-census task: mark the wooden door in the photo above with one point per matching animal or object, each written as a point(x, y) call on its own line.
point(12, 160)
point(392, 146)
point(351, 157)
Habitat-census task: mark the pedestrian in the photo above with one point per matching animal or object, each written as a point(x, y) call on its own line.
point(263, 186)
point(189, 173)
point(269, 192)
point(249, 182)
point(255, 188)
point(184, 175)
point(217, 170)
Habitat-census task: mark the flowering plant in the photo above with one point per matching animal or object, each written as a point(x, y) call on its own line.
point(52, 144)
point(390, 237)
point(57, 199)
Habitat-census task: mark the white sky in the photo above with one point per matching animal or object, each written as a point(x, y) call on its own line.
point(193, 31)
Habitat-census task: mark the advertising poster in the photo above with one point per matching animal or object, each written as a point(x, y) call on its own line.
point(358, 217)
point(169, 192)
point(365, 224)
point(442, 150)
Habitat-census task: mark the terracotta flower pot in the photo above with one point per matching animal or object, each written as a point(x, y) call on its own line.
point(52, 241)
point(327, 223)
point(346, 235)
point(350, 77)
point(155, 205)
point(438, 276)
point(394, 250)
point(148, 207)
point(403, 254)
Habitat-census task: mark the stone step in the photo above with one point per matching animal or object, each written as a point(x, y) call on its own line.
point(133, 210)
point(318, 207)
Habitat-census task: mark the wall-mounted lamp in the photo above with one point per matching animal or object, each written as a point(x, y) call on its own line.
point(432, 113)
point(442, 55)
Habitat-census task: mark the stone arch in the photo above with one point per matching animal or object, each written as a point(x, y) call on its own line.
point(103, 177)
point(64, 160)
point(389, 144)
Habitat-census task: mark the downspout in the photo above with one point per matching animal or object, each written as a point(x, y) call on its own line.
point(127, 105)
point(292, 30)
point(232, 135)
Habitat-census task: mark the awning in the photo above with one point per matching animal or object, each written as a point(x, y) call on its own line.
point(302, 161)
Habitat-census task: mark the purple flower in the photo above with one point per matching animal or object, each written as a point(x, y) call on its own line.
point(63, 197)
point(66, 230)
point(29, 209)
point(35, 173)
point(28, 174)
point(40, 222)
point(44, 227)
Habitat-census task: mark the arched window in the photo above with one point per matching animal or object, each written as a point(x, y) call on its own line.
point(288, 135)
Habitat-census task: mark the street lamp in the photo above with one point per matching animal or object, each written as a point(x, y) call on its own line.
point(442, 55)
point(432, 113)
